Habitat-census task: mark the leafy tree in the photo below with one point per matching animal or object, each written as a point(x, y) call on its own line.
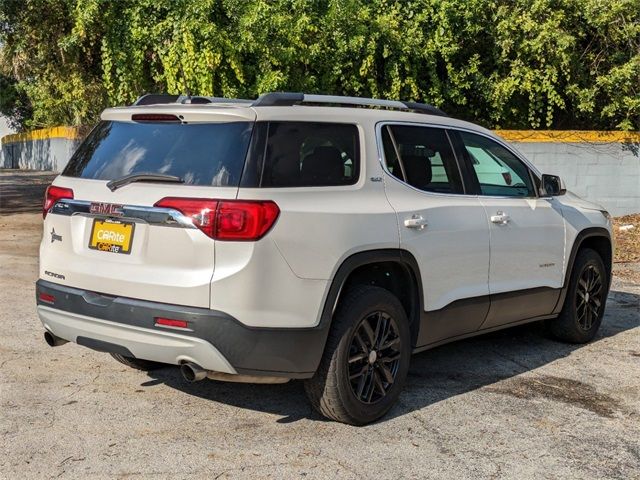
point(504, 63)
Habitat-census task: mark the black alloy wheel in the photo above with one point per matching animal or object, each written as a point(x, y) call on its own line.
point(588, 297)
point(585, 300)
point(366, 358)
point(374, 357)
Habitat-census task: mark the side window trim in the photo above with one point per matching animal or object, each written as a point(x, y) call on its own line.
point(383, 160)
point(469, 165)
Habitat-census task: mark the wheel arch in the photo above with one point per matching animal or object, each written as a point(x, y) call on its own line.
point(392, 269)
point(596, 238)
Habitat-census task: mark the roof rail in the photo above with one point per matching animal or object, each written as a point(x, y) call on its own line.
point(160, 98)
point(278, 99)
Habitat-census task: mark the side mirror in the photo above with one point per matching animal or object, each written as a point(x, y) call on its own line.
point(552, 186)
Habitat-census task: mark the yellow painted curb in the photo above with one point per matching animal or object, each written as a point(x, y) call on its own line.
point(568, 136)
point(69, 133)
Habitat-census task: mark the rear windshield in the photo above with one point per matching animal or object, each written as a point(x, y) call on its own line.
point(199, 153)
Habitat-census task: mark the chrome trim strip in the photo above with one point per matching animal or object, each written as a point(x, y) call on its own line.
point(167, 217)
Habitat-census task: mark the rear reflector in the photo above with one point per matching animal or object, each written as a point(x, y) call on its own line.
point(240, 220)
point(170, 322)
point(46, 297)
point(52, 195)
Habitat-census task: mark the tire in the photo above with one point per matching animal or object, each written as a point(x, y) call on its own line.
point(137, 363)
point(378, 377)
point(584, 304)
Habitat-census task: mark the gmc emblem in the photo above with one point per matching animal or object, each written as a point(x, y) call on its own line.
point(112, 209)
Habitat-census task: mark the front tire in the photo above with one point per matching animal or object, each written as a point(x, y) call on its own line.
point(584, 304)
point(366, 358)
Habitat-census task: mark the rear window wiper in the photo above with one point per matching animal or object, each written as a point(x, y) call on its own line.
point(142, 177)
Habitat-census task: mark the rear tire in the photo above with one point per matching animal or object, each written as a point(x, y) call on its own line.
point(584, 304)
point(366, 358)
point(137, 363)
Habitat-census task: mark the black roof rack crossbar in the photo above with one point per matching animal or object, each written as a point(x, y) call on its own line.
point(293, 98)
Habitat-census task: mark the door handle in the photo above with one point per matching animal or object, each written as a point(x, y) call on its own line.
point(500, 218)
point(416, 221)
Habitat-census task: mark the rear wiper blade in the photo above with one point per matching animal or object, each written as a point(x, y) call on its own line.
point(142, 177)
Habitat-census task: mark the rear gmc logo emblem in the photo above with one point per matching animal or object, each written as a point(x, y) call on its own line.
point(112, 209)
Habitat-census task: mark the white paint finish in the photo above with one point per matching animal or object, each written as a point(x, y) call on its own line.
point(580, 215)
point(527, 251)
point(282, 280)
point(171, 265)
point(156, 345)
point(452, 250)
point(319, 227)
point(253, 283)
point(190, 113)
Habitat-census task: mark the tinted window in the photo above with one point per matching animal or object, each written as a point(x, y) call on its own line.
point(299, 154)
point(499, 172)
point(199, 153)
point(421, 157)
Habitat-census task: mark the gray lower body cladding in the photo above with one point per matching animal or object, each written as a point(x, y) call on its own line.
point(286, 352)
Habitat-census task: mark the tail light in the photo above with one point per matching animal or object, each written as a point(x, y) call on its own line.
point(52, 195)
point(241, 220)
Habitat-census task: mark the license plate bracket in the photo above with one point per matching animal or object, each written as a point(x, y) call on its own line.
point(114, 236)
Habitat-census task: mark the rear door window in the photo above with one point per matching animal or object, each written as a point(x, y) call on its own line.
point(211, 154)
point(308, 154)
point(421, 157)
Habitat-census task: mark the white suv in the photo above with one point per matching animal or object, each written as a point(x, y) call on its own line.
point(309, 237)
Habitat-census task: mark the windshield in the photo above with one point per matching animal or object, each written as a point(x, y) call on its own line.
point(200, 153)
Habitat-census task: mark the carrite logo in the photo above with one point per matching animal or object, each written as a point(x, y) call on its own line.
point(55, 236)
point(111, 209)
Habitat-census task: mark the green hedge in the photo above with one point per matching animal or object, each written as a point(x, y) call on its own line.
point(503, 63)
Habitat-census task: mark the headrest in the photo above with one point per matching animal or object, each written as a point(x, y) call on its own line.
point(418, 170)
point(324, 166)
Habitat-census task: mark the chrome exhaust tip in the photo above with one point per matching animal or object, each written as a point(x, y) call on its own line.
point(192, 372)
point(52, 340)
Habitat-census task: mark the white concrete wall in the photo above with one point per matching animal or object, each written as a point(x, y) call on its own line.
point(42, 154)
point(4, 130)
point(605, 173)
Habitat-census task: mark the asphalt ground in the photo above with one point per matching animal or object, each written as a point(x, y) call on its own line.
point(512, 404)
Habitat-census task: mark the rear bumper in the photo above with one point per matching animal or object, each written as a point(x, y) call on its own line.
point(215, 340)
